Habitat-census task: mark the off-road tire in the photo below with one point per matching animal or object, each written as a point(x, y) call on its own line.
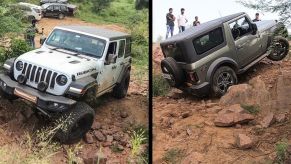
point(223, 71)
point(61, 16)
point(81, 114)
point(169, 66)
point(30, 18)
point(283, 43)
point(7, 96)
point(120, 90)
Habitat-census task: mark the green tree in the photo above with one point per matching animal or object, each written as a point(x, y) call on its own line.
point(99, 5)
point(282, 7)
point(140, 4)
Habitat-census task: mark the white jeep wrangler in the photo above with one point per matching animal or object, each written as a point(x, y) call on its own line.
point(74, 61)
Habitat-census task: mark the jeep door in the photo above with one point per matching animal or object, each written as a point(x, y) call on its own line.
point(106, 79)
point(49, 11)
point(246, 44)
point(120, 60)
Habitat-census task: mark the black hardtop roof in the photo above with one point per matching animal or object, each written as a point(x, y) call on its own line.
point(105, 33)
point(197, 30)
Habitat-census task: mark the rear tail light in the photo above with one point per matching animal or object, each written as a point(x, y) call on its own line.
point(192, 77)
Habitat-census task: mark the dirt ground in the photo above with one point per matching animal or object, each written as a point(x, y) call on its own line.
point(113, 121)
point(184, 123)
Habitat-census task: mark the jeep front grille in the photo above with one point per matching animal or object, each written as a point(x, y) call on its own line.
point(37, 74)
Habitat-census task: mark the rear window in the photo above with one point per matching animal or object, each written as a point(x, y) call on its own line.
point(208, 41)
point(173, 51)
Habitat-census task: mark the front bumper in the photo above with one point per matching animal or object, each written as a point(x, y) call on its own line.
point(45, 101)
point(200, 90)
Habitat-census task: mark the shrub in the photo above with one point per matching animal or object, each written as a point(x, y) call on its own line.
point(174, 155)
point(281, 152)
point(140, 4)
point(17, 48)
point(99, 5)
point(160, 86)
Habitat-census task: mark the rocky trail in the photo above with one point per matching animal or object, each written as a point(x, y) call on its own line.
point(110, 136)
point(244, 126)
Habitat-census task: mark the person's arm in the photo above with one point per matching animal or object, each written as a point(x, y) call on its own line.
point(179, 17)
point(169, 16)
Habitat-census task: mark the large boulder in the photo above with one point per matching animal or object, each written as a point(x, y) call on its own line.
point(244, 142)
point(230, 119)
point(254, 93)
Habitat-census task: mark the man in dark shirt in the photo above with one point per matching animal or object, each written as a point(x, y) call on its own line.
point(170, 23)
point(257, 18)
point(196, 22)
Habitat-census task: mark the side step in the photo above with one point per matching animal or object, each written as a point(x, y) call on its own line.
point(252, 63)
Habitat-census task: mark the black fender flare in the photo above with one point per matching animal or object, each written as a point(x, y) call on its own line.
point(123, 71)
point(82, 85)
point(219, 62)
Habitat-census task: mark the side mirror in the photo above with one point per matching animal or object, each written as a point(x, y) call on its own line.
point(42, 40)
point(254, 28)
point(111, 58)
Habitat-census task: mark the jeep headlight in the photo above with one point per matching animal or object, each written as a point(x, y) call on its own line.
point(19, 65)
point(62, 80)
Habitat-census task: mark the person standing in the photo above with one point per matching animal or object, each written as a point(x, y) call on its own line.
point(30, 33)
point(182, 20)
point(170, 22)
point(196, 22)
point(257, 18)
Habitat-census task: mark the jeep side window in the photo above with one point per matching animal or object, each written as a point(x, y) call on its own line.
point(240, 28)
point(121, 48)
point(56, 7)
point(111, 50)
point(208, 41)
point(50, 8)
point(127, 47)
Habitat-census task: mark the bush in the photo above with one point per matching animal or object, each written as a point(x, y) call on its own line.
point(160, 86)
point(140, 4)
point(17, 48)
point(99, 5)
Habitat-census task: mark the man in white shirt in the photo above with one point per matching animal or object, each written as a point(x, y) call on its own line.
point(182, 20)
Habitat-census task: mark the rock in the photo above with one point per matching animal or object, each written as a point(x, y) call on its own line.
point(123, 114)
point(194, 158)
point(88, 138)
point(106, 144)
point(230, 119)
point(117, 136)
point(120, 147)
point(244, 142)
point(188, 132)
point(99, 136)
point(280, 118)
point(208, 123)
point(96, 125)
point(238, 126)
point(95, 158)
point(236, 108)
point(268, 120)
point(27, 113)
point(186, 114)
point(210, 105)
point(254, 93)
point(109, 138)
point(214, 109)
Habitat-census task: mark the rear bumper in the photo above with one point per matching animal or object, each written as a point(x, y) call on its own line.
point(45, 101)
point(200, 90)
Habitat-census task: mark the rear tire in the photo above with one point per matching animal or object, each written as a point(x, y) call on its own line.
point(170, 67)
point(61, 16)
point(280, 50)
point(79, 120)
point(30, 18)
point(120, 90)
point(222, 79)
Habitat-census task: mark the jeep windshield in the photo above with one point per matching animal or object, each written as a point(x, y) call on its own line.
point(78, 43)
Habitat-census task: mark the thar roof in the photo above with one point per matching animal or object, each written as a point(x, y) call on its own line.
point(197, 30)
point(105, 33)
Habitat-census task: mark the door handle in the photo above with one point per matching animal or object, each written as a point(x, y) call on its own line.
point(114, 67)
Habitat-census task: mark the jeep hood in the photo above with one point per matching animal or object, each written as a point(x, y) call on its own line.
point(62, 61)
point(265, 25)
